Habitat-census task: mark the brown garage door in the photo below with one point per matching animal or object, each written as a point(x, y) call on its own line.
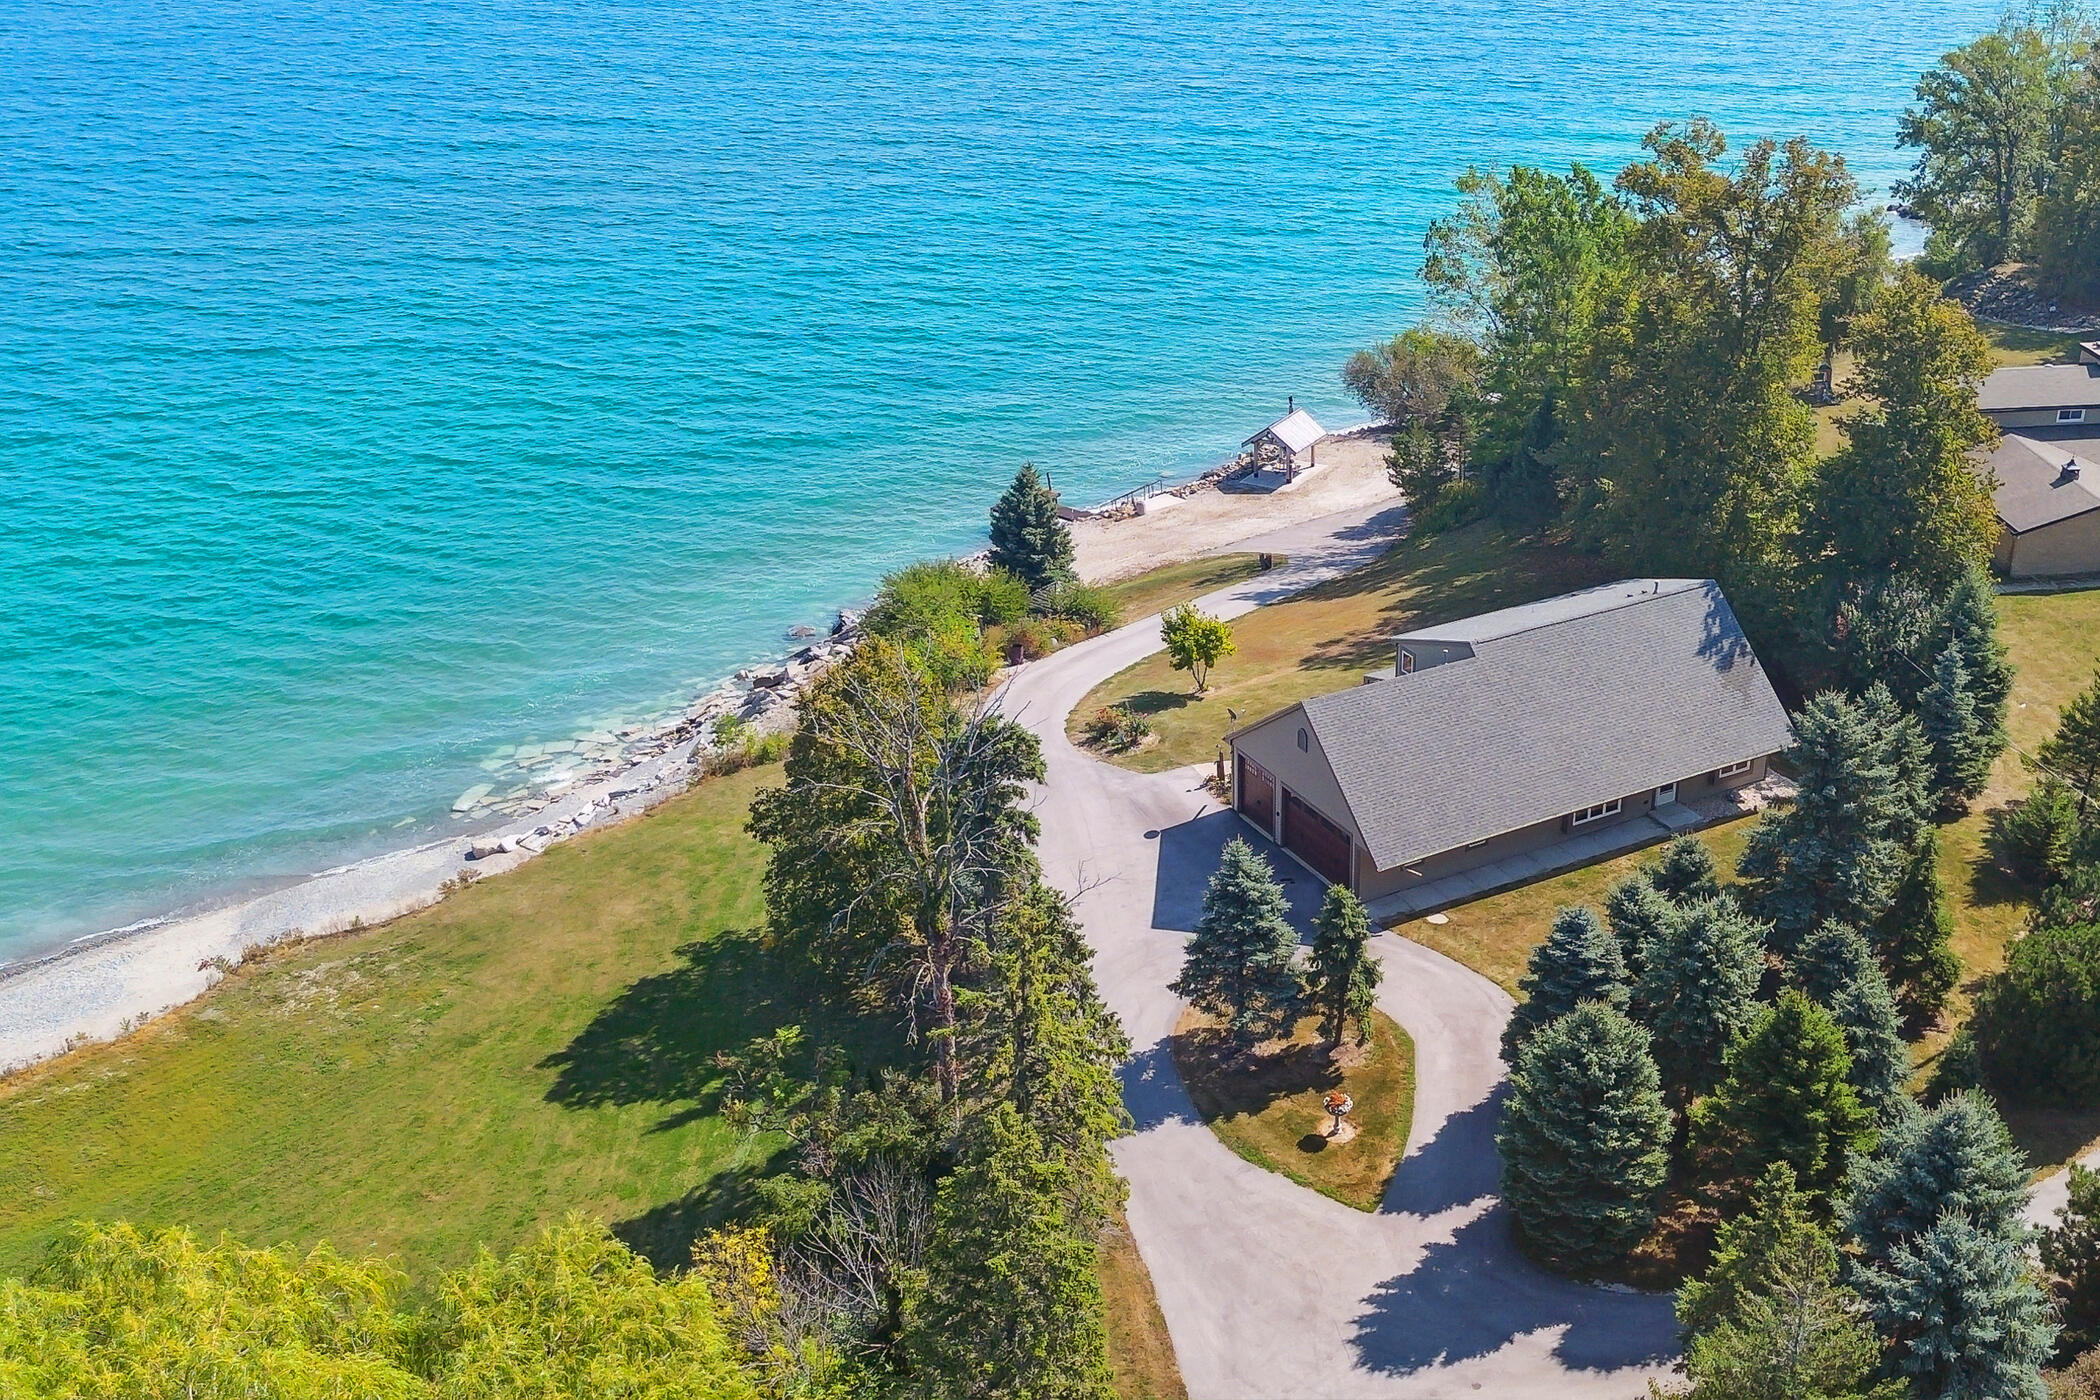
point(1314, 839)
point(1257, 794)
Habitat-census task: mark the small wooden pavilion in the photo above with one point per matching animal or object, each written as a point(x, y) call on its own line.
point(1293, 439)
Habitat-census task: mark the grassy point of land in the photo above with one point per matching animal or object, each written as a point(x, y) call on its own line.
point(1327, 637)
point(1156, 590)
point(1270, 1111)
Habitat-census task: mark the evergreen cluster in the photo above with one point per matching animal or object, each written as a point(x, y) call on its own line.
point(1240, 967)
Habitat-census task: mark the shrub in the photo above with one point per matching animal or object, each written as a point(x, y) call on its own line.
point(924, 598)
point(2036, 837)
point(1459, 503)
point(1095, 609)
point(1116, 729)
point(1033, 639)
point(1002, 598)
point(2037, 1023)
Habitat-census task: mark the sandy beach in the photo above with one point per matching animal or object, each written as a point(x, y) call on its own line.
point(1351, 472)
point(100, 987)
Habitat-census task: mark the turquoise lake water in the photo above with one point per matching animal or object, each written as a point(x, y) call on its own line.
point(381, 383)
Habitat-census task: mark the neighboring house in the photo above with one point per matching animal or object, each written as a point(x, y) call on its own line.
point(2048, 501)
point(2045, 396)
point(1507, 732)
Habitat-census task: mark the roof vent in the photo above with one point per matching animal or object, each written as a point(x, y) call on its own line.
point(2070, 469)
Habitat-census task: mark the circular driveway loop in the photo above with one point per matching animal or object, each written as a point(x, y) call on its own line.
point(1269, 1289)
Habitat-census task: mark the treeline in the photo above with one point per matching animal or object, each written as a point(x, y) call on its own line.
point(1627, 366)
point(938, 1231)
point(2007, 130)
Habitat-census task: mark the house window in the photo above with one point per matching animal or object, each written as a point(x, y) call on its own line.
point(1407, 662)
point(1733, 770)
point(2070, 415)
point(1304, 742)
point(1595, 814)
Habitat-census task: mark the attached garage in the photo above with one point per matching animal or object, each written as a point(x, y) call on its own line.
point(1257, 794)
point(1315, 840)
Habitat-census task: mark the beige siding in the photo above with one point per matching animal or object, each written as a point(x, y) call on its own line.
point(2067, 547)
point(1373, 884)
point(1274, 745)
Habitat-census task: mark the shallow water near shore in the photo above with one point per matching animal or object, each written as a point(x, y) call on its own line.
point(382, 385)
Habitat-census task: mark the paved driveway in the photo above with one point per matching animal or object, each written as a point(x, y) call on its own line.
point(1269, 1289)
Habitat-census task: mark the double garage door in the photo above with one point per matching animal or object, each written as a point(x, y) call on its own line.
point(1315, 840)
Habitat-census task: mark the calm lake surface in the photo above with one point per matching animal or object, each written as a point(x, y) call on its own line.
point(381, 383)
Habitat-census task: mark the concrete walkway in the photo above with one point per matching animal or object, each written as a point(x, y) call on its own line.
point(1271, 1290)
point(1583, 848)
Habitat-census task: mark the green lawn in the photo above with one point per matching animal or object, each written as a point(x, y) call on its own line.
point(536, 1044)
point(1326, 638)
point(1162, 588)
point(2020, 345)
point(1271, 1111)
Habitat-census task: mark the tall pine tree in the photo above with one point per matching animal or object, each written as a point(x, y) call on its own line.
point(1788, 1097)
point(1769, 1319)
point(1685, 871)
point(2072, 754)
point(1585, 1140)
point(1968, 617)
point(1341, 975)
point(1238, 965)
point(1637, 913)
point(1010, 1304)
point(1913, 935)
point(1836, 852)
point(1029, 539)
point(1956, 1155)
point(1961, 749)
point(1837, 971)
point(1579, 961)
point(1698, 991)
point(1962, 1313)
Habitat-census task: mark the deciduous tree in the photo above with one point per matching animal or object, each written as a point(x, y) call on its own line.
point(1584, 1140)
point(1196, 642)
point(1980, 128)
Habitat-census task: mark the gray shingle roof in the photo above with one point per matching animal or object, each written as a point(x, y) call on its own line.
point(2033, 488)
point(2040, 386)
point(1604, 693)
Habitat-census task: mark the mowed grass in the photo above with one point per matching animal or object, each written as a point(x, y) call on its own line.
point(2023, 345)
point(536, 1044)
point(1328, 637)
point(1140, 1352)
point(1163, 588)
point(1271, 1110)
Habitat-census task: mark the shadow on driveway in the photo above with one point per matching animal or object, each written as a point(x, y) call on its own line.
point(1474, 1295)
point(1189, 855)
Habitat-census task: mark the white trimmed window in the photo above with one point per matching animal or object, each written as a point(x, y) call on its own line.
point(2070, 415)
point(1595, 814)
point(1733, 770)
point(1407, 662)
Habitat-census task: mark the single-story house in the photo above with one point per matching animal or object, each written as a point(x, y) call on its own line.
point(2048, 501)
point(2045, 396)
point(1507, 732)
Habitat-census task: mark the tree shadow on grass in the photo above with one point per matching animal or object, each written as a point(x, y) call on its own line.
point(1154, 702)
point(655, 1044)
point(1224, 1083)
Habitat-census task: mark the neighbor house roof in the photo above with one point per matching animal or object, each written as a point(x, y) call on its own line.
point(1564, 703)
point(1296, 430)
point(2040, 483)
point(2040, 386)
